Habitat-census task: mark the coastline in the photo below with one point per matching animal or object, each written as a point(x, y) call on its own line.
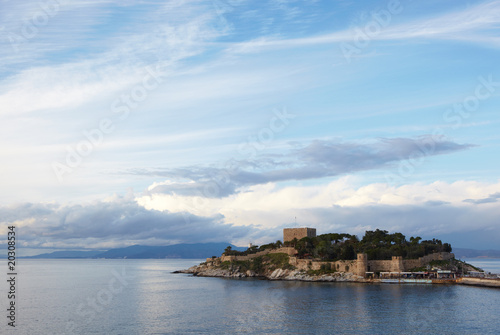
point(205, 270)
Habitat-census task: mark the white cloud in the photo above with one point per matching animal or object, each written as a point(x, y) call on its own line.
point(269, 199)
point(476, 24)
point(436, 209)
point(111, 67)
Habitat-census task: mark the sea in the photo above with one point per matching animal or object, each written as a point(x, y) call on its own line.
point(101, 296)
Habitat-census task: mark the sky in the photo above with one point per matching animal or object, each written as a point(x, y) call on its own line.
point(185, 121)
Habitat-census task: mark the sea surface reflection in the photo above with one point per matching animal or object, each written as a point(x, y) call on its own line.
point(89, 297)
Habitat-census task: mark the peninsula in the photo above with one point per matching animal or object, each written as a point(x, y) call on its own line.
point(377, 257)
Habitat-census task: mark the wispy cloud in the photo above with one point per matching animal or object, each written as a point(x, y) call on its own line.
point(491, 199)
point(77, 78)
point(475, 24)
point(319, 159)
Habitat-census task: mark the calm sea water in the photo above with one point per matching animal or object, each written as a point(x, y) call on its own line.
point(144, 297)
point(487, 264)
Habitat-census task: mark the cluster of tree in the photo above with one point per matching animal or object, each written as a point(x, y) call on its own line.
point(253, 249)
point(326, 246)
point(378, 245)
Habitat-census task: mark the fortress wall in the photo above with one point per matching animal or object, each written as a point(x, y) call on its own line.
point(397, 264)
point(244, 258)
point(412, 263)
point(380, 266)
point(317, 265)
point(286, 250)
point(422, 261)
point(438, 256)
point(300, 264)
point(308, 264)
point(345, 266)
point(224, 258)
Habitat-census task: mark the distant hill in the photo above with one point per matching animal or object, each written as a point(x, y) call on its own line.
point(198, 250)
point(473, 253)
point(67, 254)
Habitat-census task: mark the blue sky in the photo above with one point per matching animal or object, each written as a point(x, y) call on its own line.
point(158, 122)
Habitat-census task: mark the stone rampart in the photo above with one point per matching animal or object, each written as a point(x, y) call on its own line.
point(285, 250)
point(423, 261)
point(309, 264)
point(380, 266)
point(300, 264)
point(413, 263)
point(359, 266)
point(397, 264)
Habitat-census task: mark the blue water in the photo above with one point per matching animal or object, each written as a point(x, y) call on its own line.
point(487, 264)
point(144, 297)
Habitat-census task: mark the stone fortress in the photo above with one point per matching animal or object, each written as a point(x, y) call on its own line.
point(298, 233)
point(360, 266)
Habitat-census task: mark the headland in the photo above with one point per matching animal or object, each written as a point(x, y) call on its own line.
point(379, 257)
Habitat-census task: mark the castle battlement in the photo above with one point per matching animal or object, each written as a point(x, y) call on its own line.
point(359, 266)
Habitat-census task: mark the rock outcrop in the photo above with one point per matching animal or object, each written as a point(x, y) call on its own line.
point(235, 271)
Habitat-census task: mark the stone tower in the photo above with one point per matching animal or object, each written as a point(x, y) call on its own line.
point(362, 265)
point(397, 264)
point(298, 233)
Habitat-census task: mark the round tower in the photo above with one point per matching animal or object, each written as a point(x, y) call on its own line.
point(362, 265)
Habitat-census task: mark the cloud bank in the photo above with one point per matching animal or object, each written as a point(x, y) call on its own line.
point(348, 205)
point(113, 223)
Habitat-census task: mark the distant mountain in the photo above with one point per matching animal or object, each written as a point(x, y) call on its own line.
point(67, 254)
point(198, 250)
point(473, 253)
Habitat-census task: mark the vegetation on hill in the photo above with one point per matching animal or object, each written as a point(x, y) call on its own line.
point(378, 245)
point(261, 264)
point(453, 264)
point(229, 251)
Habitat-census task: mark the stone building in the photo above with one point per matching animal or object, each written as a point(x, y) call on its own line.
point(359, 266)
point(298, 233)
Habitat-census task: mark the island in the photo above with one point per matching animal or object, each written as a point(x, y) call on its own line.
point(338, 257)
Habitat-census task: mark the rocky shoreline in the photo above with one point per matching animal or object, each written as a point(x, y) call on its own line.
point(204, 270)
point(269, 273)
